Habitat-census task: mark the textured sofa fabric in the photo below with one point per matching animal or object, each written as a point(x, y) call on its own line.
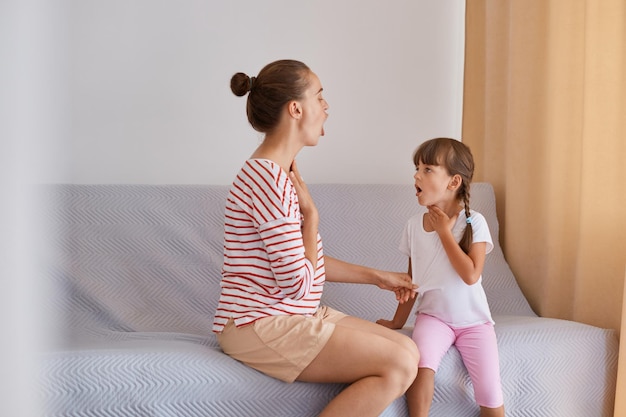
point(136, 274)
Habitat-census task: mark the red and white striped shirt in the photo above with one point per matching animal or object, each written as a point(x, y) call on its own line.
point(265, 272)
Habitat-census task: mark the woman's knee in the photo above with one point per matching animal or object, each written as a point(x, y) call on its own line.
point(404, 368)
point(408, 343)
point(412, 347)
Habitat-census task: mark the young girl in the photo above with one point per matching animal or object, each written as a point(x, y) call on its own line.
point(446, 243)
point(269, 314)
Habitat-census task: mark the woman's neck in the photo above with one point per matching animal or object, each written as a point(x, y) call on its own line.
point(278, 150)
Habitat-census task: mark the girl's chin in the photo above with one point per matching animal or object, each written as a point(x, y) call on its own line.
point(424, 201)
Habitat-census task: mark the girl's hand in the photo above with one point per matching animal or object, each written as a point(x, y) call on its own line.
point(307, 206)
point(439, 220)
point(405, 294)
point(388, 323)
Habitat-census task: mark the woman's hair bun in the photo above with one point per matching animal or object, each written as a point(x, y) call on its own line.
point(240, 84)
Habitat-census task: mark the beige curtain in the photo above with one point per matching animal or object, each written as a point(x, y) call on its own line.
point(545, 115)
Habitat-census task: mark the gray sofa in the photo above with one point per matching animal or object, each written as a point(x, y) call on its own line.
point(136, 277)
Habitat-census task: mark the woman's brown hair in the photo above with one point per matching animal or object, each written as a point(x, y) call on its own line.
point(276, 84)
point(457, 159)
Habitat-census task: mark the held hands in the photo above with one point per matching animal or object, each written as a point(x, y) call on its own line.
point(400, 283)
point(406, 299)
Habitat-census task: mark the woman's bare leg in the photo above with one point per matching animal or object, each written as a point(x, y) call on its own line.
point(371, 327)
point(378, 363)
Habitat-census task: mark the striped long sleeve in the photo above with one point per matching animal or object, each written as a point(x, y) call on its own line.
point(265, 271)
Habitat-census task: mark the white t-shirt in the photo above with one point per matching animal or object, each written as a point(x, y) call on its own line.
point(442, 293)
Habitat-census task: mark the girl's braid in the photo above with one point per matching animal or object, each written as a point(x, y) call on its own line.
point(468, 234)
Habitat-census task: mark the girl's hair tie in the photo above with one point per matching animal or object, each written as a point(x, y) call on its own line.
point(468, 220)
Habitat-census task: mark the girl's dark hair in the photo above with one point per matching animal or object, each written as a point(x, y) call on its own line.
point(457, 159)
point(278, 83)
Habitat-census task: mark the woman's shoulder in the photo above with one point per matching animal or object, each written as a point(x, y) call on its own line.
point(262, 165)
point(262, 173)
point(264, 181)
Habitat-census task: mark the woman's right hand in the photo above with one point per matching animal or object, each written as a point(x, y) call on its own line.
point(307, 205)
point(310, 217)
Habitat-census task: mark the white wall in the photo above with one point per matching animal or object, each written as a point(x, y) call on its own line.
point(149, 85)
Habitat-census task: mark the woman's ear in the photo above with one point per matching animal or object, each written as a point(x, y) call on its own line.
point(295, 109)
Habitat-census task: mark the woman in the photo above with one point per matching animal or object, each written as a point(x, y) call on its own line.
point(269, 314)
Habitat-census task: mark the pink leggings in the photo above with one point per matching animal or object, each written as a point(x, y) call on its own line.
point(478, 348)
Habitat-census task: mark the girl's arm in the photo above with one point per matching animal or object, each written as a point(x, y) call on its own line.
point(402, 312)
point(469, 266)
point(398, 282)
